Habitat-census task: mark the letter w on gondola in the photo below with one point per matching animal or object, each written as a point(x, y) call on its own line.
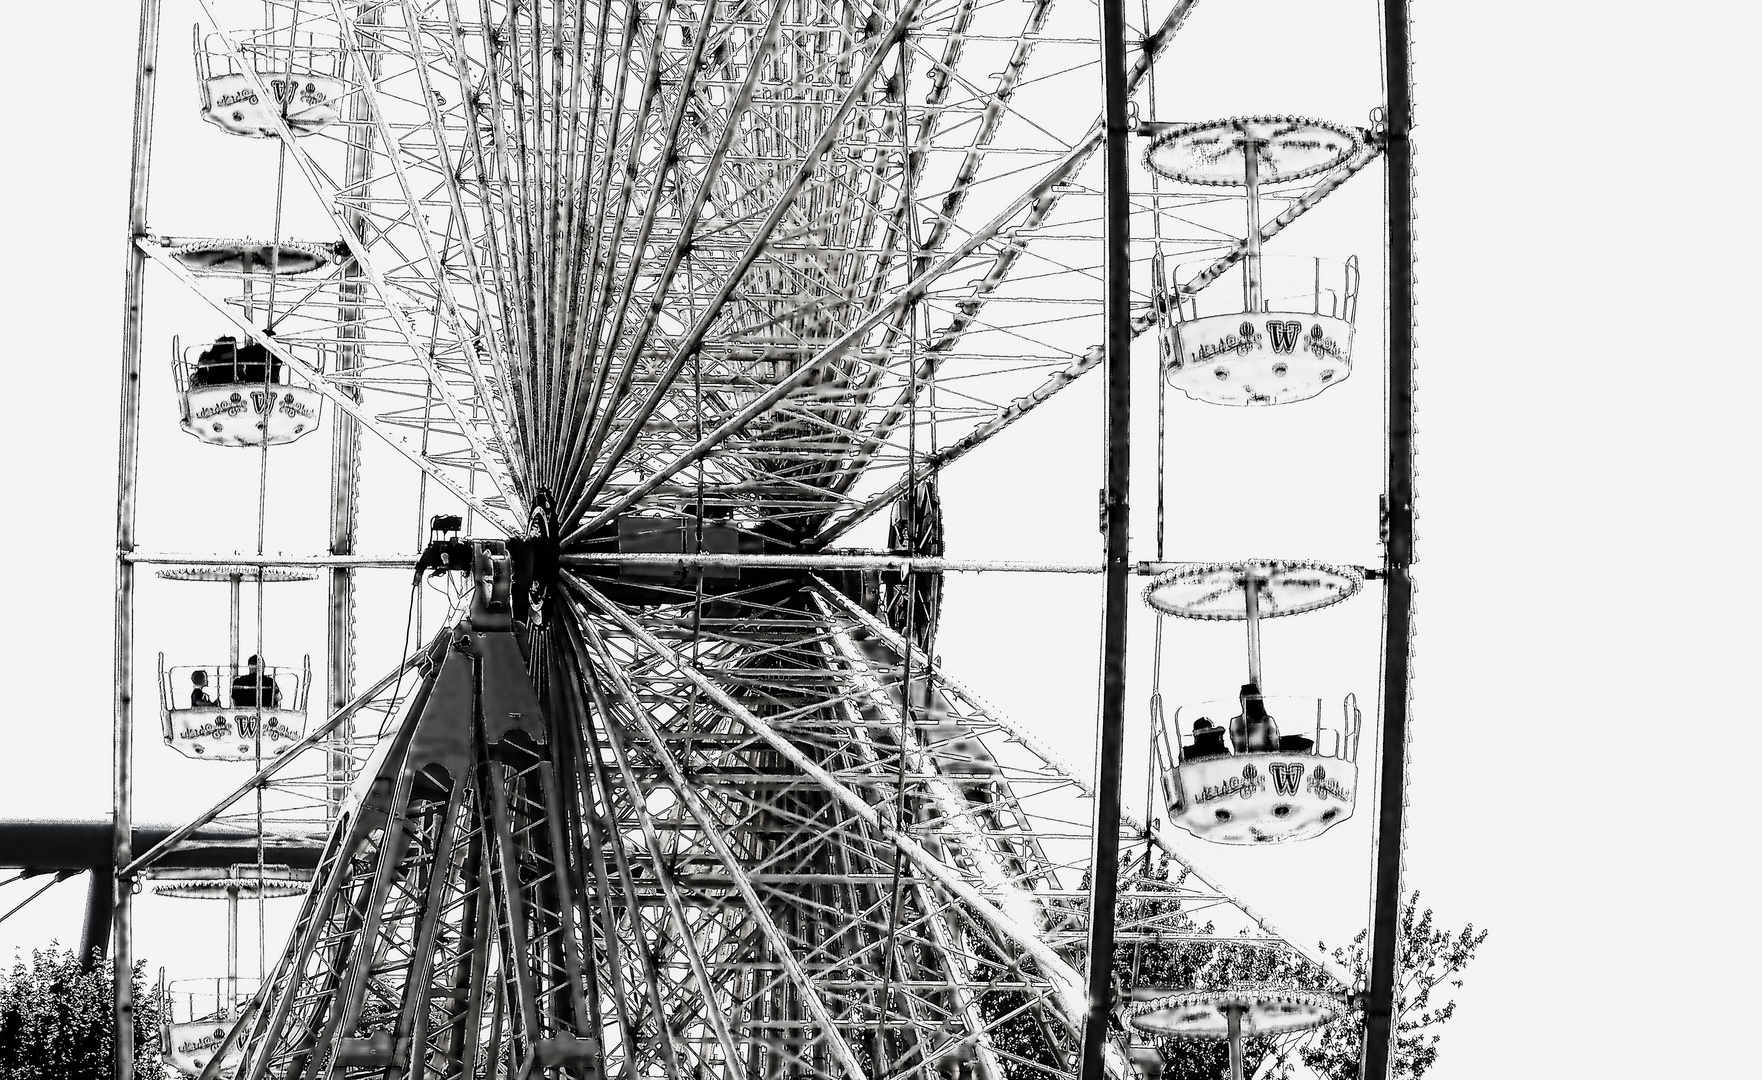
point(1285, 776)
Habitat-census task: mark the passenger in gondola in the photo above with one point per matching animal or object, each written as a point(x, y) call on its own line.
point(1208, 740)
point(1253, 731)
point(255, 362)
point(200, 698)
point(217, 364)
point(255, 687)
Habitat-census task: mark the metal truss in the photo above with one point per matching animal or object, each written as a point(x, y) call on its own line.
point(617, 254)
point(768, 263)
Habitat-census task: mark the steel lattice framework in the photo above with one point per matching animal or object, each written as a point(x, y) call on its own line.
point(769, 265)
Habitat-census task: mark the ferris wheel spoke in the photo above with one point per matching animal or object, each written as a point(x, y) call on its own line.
point(336, 388)
point(785, 881)
point(426, 146)
point(580, 396)
point(500, 204)
point(896, 301)
point(621, 948)
point(731, 278)
point(945, 340)
point(981, 719)
point(1142, 321)
point(395, 303)
point(984, 898)
point(712, 836)
point(635, 803)
point(606, 255)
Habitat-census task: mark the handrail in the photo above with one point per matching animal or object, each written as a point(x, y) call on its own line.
point(226, 677)
point(270, 363)
point(1344, 736)
point(1278, 291)
point(314, 46)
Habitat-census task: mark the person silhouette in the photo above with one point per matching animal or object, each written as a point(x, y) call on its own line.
point(256, 364)
point(200, 698)
point(218, 363)
point(1253, 731)
point(255, 687)
point(1208, 740)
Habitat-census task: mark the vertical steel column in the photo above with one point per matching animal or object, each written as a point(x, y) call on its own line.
point(95, 933)
point(1251, 290)
point(1379, 1005)
point(127, 466)
point(232, 946)
point(345, 458)
point(1104, 863)
point(1233, 1029)
point(235, 589)
point(1251, 596)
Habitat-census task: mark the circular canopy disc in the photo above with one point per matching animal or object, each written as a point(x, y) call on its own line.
point(1213, 154)
point(254, 256)
point(277, 881)
point(1217, 591)
point(228, 571)
point(1200, 1014)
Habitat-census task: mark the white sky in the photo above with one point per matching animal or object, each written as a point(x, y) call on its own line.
point(1585, 504)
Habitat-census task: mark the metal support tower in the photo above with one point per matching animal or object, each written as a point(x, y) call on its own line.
point(1116, 521)
point(127, 460)
point(1385, 945)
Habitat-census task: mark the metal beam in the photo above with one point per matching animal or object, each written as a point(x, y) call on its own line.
point(693, 803)
point(314, 738)
point(1385, 944)
point(389, 299)
point(339, 397)
point(1170, 840)
point(100, 906)
point(185, 558)
point(43, 846)
point(1065, 981)
point(1104, 861)
point(127, 470)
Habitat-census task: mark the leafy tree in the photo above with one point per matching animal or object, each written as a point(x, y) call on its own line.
point(1430, 957)
point(55, 1019)
point(1151, 908)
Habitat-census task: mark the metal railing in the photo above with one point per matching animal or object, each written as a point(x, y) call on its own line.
point(231, 687)
point(291, 53)
point(1291, 716)
point(1294, 284)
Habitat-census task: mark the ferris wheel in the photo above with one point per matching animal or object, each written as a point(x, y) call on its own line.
point(640, 334)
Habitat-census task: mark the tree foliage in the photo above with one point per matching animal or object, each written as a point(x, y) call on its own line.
point(1184, 960)
point(55, 1019)
point(1430, 958)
